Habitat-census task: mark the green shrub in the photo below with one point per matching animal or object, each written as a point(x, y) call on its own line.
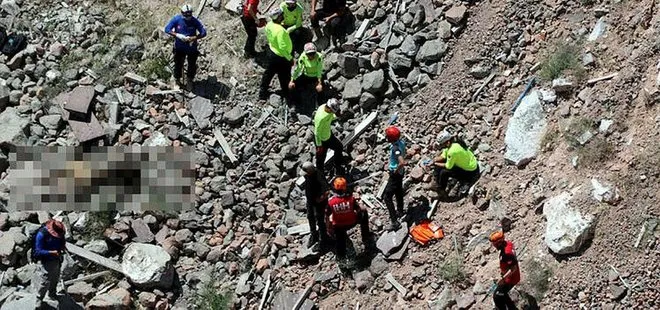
point(452, 269)
point(97, 222)
point(538, 278)
point(157, 66)
point(210, 298)
point(565, 58)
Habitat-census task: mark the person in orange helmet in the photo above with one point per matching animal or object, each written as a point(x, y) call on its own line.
point(509, 270)
point(396, 168)
point(342, 214)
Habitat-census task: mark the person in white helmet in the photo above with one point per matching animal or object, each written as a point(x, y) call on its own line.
point(307, 78)
point(324, 138)
point(293, 21)
point(187, 30)
point(280, 57)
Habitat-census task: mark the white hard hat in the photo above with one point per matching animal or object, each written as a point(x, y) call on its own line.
point(443, 137)
point(310, 48)
point(186, 8)
point(333, 105)
point(277, 12)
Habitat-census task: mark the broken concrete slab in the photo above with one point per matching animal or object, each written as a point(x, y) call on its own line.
point(604, 193)
point(142, 231)
point(599, 30)
point(95, 258)
point(148, 266)
point(79, 99)
point(130, 76)
point(15, 128)
point(85, 131)
point(201, 109)
point(391, 241)
point(456, 14)
point(285, 300)
point(567, 230)
point(525, 130)
point(301, 229)
point(400, 288)
point(157, 139)
point(398, 255)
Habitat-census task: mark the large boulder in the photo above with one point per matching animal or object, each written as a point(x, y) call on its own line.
point(148, 266)
point(14, 128)
point(117, 299)
point(374, 82)
point(431, 51)
point(567, 229)
point(399, 62)
point(352, 89)
point(525, 131)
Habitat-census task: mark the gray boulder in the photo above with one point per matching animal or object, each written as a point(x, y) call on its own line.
point(14, 128)
point(52, 122)
point(234, 116)
point(4, 97)
point(399, 62)
point(431, 51)
point(368, 100)
point(567, 230)
point(117, 299)
point(352, 89)
point(131, 47)
point(157, 139)
point(374, 82)
point(409, 46)
point(349, 65)
point(525, 131)
point(148, 266)
point(444, 301)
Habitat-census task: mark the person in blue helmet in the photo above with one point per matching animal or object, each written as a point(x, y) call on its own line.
point(187, 30)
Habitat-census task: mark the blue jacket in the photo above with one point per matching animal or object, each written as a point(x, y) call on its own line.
point(45, 242)
point(189, 28)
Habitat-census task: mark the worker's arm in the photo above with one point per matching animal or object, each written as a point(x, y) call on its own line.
point(297, 69)
point(508, 273)
point(298, 14)
point(252, 10)
point(285, 44)
point(200, 29)
point(40, 246)
point(313, 9)
point(339, 12)
point(402, 163)
point(319, 72)
point(169, 28)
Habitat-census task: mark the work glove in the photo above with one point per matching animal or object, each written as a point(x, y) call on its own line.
point(181, 37)
point(261, 22)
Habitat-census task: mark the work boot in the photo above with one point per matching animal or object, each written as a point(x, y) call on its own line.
point(313, 239)
point(189, 83)
point(394, 225)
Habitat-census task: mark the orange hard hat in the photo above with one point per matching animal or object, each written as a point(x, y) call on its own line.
point(339, 184)
point(496, 236)
point(392, 134)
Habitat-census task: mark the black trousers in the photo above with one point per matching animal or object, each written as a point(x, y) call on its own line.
point(297, 39)
point(341, 233)
point(394, 188)
point(305, 95)
point(316, 218)
point(502, 299)
point(442, 176)
point(276, 65)
point(180, 57)
point(321, 151)
point(250, 26)
point(336, 25)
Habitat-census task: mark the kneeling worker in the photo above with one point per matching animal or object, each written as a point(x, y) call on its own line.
point(342, 214)
point(293, 20)
point(307, 75)
point(456, 161)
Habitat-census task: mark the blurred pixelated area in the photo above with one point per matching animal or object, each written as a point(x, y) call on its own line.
point(123, 178)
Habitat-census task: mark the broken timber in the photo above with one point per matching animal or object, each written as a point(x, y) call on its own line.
point(371, 201)
point(402, 290)
point(89, 277)
point(432, 209)
point(602, 78)
point(303, 295)
point(349, 140)
point(265, 294)
point(383, 185)
point(135, 78)
point(362, 29)
point(200, 8)
point(93, 257)
point(225, 146)
point(263, 117)
point(531, 83)
point(476, 94)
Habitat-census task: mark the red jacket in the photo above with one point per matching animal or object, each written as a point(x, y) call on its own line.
point(509, 260)
point(343, 209)
point(255, 6)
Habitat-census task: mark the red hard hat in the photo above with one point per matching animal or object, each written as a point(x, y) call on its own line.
point(392, 134)
point(339, 184)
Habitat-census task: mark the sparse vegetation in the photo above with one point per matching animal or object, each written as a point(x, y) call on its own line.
point(576, 128)
point(156, 67)
point(452, 268)
point(565, 60)
point(97, 222)
point(595, 152)
point(538, 278)
point(550, 139)
point(210, 298)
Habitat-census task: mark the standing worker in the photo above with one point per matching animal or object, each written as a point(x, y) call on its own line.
point(342, 214)
point(293, 19)
point(316, 192)
point(307, 77)
point(456, 161)
point(509, 270)
point(324, 139)
point(49, 244)
point(332, 13)
point(396, 168)
point(250, 23)
point(280, 58)
point(187, 30)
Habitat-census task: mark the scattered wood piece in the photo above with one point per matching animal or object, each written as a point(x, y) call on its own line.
point(231, 48)
point(362, 29)
point(402, 290)
point(135, 78)
point(620, 277)
point(366, 178)
point(371, 201)
point(264, 115)
point(95, 258)
point(602, 78)
point(265, 293)
point(200, 8)
point(640, 235)
point(89, 277)
point(303, 296)
point(383, 185)
point(476, 94)
point(246, 170)
point(301, 229)
point(224, 145)
point(432, 209)
point(92, 74)
point(167, 92)
point(269, 6)
point(531, 83)
point(120, 97)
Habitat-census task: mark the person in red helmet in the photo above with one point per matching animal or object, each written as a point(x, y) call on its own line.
point(342, 214)
point(509, 270)
point(396, 168)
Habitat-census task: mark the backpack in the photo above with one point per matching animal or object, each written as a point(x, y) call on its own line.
point(14, 44)
point(33, 243)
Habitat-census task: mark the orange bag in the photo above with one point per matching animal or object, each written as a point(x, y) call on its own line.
point(425, 232)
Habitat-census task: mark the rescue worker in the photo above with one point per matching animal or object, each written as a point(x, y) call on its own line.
point(280, 58)
point(250, 23)
point(396, 168)
point(48, 247)
point(332, 13)
point(508, 269)
point(307, 76)
point(187, 30)
point(316, 192)
point(342, 214)
point(324, 139)
point(455, 161)
point(293, 20)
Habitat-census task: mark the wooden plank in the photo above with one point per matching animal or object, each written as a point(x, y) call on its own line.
point(432, 209)
point(95, 258)
point(303, 296)
point(602, 78)
point(200, 8)
point(135, 78)
point(383, 185)
point(362, 29)
point(167, 92)
point(640, 235)
point(224, 145)
point(402, 290)
point(264, 115)
point(265, 293)
point(89, 277)
point(371, 201)
point(476, 94)
point(301, 229)
point(234, 6)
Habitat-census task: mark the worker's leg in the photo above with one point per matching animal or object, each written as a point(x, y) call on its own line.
point(321, 152)
point(334, 144)
point(390, 189)
point(335, 27)
point(192, 69)
point(311, 219)
point(53, 277)
point(443, 176)
point(398, 193)
point(251, 29)
point(340, 241)
point(502, 299)
point(316, 27)
point(40, 280)
point(363, 219)
point(297, 40)
point(284, 75)
point(179, 58)
point(320, 221)
point(268, 75)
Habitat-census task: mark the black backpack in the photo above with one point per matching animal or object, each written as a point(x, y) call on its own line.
point(33, 243)
point(14, 44)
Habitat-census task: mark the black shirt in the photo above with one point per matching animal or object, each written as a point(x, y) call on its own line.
point(333, 5)
point(315, 187)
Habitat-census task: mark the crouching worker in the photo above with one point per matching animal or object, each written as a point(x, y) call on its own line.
point(47, 251)
point(455, 161)
point(342, 214)
point(307, 77)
